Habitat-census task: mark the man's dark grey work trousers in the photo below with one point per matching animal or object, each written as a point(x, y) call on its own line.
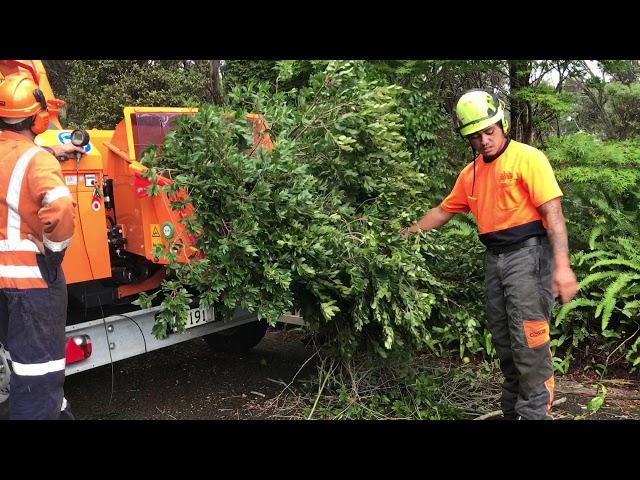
point(519, 303)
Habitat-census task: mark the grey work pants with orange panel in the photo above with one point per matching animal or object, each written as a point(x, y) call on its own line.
point(518, 306)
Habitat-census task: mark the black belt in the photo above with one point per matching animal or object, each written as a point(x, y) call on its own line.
point(529, 242)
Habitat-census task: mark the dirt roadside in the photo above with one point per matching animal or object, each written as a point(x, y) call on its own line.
point(189, 381)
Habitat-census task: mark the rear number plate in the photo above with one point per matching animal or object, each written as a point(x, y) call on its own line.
point(200, 316)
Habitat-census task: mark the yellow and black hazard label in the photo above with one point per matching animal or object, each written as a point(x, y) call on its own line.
point(155, 234)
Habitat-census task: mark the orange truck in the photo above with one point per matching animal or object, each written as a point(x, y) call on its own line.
point(110, 259)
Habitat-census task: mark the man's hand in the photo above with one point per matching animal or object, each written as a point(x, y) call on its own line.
point(38, 243)
point(564, 284)
point(434, 218)
point(66, 149)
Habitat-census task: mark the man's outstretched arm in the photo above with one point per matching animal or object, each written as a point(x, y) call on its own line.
point(434, 218)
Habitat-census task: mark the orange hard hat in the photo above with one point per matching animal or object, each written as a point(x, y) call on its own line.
point(20, 97)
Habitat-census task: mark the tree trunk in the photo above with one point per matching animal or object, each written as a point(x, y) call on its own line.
point(216, 82)
point(521, 121)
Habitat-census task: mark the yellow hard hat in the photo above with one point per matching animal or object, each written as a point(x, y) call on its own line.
point(477, 110)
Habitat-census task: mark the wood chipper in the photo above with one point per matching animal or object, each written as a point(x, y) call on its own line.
point(110, 259)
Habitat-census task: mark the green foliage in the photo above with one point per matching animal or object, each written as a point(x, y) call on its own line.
point(176, 301)
point(546, 103)
point(428, 130)
point(58, 74)
point(610, 108)
point(454, 255)
point(98, 90)
point(239, 73)
point(623, 71)
point(623, 109)
point(545, 97)
point(601, 206)
point(314, 224)
point(599, 180)
point(610, 291)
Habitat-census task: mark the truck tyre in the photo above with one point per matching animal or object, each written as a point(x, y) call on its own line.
point(237, 339)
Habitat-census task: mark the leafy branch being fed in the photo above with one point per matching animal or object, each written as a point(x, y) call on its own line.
point(312, 224)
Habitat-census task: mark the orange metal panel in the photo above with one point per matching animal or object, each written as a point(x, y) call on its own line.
point(87, 258)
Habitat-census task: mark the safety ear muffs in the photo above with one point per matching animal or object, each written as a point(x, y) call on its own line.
point(500, 104)
point(40, 121)
point(505, 122)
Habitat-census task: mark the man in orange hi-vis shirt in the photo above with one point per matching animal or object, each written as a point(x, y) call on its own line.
point(511, 190)
point(37, 216)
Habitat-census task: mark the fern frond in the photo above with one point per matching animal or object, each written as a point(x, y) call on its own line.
point(572, 305)
point(595, 277)
point(632, 304)
point(630, 246)
point(599, 229)
point(609, 299)
point(617, 261)
point(596, 254)
point(602, 204)
point(629, 306)
point(458, 227)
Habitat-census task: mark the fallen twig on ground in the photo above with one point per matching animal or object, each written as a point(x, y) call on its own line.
point(495, 413)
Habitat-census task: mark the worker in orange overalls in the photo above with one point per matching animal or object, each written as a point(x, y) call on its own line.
point(37, 215)
point(511, 190)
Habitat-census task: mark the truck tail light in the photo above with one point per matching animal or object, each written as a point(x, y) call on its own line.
point(78, 348)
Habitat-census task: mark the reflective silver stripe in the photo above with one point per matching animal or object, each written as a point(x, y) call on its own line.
point(54, 194)
point(64, 404)
point(35, 369)
point(56, 246)
point(13, 194)
point(22, 271)
point(21, 246)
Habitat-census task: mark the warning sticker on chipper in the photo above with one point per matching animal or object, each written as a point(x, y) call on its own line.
point(155, 234)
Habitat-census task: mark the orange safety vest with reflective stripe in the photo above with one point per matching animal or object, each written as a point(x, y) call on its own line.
point(33, 200)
